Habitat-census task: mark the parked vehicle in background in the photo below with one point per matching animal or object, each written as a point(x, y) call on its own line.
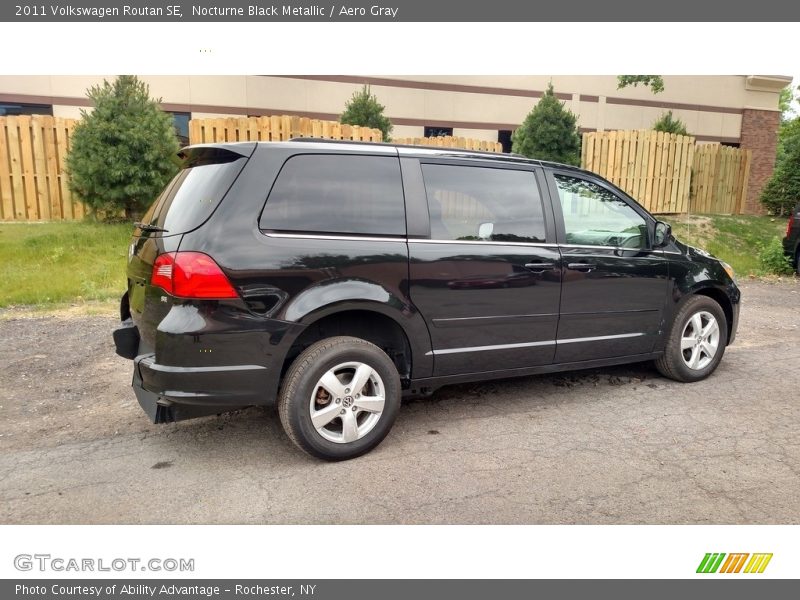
point(333, 279)
point(791, 242)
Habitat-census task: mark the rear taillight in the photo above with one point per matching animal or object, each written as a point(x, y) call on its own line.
point(191, 275)
point(790, 225)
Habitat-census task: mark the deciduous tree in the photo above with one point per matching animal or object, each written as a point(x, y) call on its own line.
point(654, 82)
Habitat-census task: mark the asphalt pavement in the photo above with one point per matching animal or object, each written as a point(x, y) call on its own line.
point(615, 445)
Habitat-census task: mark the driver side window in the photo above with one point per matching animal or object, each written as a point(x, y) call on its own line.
point(593, 216)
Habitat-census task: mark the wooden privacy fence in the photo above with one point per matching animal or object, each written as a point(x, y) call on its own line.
point(286, 127)
point(34, 185)
point(274, 129)
point(719, 179)
point(451, 142)
point(33, 182)
point(653, 167)
point(666, 173)
point(669, 173)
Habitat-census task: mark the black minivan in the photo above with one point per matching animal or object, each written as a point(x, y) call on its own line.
point(335, 278)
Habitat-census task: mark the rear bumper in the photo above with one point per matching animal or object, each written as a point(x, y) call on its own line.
point(168, 393)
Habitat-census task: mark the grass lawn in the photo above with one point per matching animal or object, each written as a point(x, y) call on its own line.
point(736, 239)
point(47, 264)
point(52, 263)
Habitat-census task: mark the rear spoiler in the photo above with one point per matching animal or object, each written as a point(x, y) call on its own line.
point(200, 154)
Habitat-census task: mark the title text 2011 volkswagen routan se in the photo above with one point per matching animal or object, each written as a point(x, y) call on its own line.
point(333, 279)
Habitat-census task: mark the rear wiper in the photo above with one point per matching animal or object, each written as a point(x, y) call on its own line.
point(148, 227)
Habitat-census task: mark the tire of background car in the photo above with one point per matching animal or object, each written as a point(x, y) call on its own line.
point(797, 262)
point(696, 341)
point(339, 398)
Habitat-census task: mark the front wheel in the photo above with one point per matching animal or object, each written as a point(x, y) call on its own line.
point(339, 398)
point(696, 341)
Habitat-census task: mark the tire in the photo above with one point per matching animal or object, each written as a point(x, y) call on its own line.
point(695, 361)
point(320, 412)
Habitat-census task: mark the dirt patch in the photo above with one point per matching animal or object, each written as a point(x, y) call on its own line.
point(60, 381)
point(62, 311)
point(699, 229)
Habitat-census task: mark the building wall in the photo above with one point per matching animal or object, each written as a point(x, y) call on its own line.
point(732, 109)
point(476, 106)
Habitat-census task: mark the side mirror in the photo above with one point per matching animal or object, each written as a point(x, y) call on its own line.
point(485, 231)
point(663, 234)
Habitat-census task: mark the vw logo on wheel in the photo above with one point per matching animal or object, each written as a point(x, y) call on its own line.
point(347, 402)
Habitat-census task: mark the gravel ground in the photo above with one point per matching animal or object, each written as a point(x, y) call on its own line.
point(616, 445)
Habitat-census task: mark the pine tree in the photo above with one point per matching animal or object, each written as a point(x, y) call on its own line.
point(124, 151)
point(549, 132)
point(669, 124)
point(364, 109)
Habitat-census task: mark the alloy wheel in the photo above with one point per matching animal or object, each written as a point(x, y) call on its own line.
point(347, 402)
point(700, 340)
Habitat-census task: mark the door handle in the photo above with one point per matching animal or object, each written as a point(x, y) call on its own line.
point(539, 267)
point(586, 267)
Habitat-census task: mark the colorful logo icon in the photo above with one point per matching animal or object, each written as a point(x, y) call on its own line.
point(734, 563)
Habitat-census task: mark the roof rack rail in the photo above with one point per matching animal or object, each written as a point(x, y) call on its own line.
point(412, 146)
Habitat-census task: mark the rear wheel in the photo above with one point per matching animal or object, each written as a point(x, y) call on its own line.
point(340, 398)
point(696, 341)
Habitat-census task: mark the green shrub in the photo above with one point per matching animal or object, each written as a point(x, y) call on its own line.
point(669, 124)
point(773, 260)
point(124, 152)
point(782, 191)
point(364, 109)
point(549, 132)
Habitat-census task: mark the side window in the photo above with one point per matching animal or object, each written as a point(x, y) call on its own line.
point(594, 216)
point(335, 193)
point(481, 203)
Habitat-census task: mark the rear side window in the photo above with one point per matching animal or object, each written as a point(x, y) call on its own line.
point(194, 193)
point(340, 194)
point(481, 203)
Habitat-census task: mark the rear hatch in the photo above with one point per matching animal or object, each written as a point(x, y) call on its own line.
point(207, 172)
point(206, 175)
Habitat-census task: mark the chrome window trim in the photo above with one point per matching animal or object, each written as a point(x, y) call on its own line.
point(366, 238)
point(592, 246)
point(598, 338)
point(313, 236)
point(486, 242)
